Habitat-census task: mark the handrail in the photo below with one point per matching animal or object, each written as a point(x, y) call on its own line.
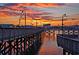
point(67, 38)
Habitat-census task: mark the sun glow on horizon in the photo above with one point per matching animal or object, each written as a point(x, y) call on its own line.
point(9, 13)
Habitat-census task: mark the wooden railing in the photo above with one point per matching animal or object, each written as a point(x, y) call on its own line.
point(20, 41)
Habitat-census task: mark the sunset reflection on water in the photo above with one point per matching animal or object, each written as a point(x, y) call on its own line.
point(49, 46)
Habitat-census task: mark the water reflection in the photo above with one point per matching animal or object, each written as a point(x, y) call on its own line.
point(49, 46)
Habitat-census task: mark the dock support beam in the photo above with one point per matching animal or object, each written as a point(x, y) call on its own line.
point(64, 52)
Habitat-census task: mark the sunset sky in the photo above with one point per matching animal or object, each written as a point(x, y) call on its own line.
point(46, 12)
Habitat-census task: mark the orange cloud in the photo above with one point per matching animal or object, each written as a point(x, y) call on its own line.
point(19, 5)
point(31, 14)
point(39, 4)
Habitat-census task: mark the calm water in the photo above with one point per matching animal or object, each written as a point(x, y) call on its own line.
point(49, 46)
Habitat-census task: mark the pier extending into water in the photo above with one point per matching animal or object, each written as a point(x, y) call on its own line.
point(27, 41)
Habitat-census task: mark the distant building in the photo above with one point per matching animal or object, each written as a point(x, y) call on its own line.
point(46, 24)
point(7, 26)
point(27, 26)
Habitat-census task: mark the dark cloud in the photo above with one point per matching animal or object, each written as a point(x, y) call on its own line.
point(10, 4)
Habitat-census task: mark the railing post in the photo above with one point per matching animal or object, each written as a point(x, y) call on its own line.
point(64, 51)
point(10, 48)
point(14, 45)
point(17, 47)
point(24, 45)
point(20, 45)
point(14, 41)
